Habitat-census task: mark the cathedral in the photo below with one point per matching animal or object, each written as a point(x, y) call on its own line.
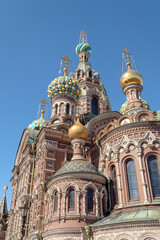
point(88, 173)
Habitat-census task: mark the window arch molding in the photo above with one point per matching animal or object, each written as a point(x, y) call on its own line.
point(104, 194)
point(125, 182)
point(113, 174)
point(153, 178)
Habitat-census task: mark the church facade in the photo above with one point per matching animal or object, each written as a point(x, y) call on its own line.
point(97, 177)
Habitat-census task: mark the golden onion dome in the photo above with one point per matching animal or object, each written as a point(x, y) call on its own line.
point(78, 131)
point(131, 77)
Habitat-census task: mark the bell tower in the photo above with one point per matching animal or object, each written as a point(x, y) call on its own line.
point(94, 99)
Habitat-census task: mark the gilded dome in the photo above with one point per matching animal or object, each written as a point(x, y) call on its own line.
point(131, 77)
point(78, 131)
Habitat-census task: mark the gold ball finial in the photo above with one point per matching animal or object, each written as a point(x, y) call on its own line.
point(78, 131)
point(5, 188)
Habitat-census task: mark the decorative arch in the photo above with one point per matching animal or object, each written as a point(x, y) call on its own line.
point(124, 236)
point(145, 116)
point(54, 189)
point(90, 185)
point(103, 237)
point(149, 236)
point(123, 118)
point(71, 185)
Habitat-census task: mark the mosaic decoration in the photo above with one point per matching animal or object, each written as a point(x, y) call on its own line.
point(77, 166)
point(37, 123)
point(83, 47)
point(63, 85)
point(124, 106)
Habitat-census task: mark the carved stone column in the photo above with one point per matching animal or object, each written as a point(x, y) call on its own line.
point(84, 202)
point(78, 203)
point(138, 149)
point(101, 204)
point(64, 203)
point(116, 156)
point(96, 198)
point(59, 205)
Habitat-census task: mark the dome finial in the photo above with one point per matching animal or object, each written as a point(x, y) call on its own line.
point(128, 56)
point(83, 36)
point(44, 103)
point(66, 61)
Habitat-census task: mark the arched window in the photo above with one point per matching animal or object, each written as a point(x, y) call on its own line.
point(56, 109)
point(114, 181)
point(154, 173)
point(71, 199)
point(90, 74)
point(56, 201)
point(90, 200)
point(78, 74)
point(67, 108)
point(132, 180)
point(94, 104)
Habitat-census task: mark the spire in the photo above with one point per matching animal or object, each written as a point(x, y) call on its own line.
point(3, 203)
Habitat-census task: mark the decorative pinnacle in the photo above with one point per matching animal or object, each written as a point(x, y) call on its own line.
point(128, 56)
point(83, 36)
point(66, 61)
point(5, 188)
point(44, 103)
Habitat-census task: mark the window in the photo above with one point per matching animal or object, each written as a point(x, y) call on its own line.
point(94, 104)
point(90, 200)
point(56, 202)
point(154, 173)
point(71, 199)
point(114, 181)
point(132, 180)
point(56, 109)
point(67, 108)
point(90, 74)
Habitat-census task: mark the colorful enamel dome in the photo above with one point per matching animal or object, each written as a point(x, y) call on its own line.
point(77, 166)
point(37, 123)
point(63, 85)
point(83, 47)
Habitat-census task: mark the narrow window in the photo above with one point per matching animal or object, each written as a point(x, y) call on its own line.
point(94, 104)
point(90, 74)
point(56, 202)
point(67, 108)
point(132, 180)
point(90, 200)
point(78, 74)
point(154, 173)
point(56, 109)
point(114, 181)
point(71, 199)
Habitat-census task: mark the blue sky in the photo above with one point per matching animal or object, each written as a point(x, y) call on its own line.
point(34, 34)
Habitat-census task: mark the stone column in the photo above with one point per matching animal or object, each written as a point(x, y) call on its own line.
point(78, 203)
point(119, 180)
point(138, 149)
point(64, 203)
point(101, 204)
point(84, 202)
point(59, 205)
point(96, 198)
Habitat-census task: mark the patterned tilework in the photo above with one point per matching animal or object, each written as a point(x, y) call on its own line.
point(77, 166)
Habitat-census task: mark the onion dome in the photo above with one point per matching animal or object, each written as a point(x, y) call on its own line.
point(83, 47)
point(78, 131)
point(63, 85)
point(77, 166)
point(130, 77)
point(38, 123)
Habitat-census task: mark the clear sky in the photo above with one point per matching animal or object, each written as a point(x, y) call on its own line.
point(34, 34)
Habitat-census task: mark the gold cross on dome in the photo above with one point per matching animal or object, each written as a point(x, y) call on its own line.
point(128, 54)
point(83, 36)
point(66, 61)
point(44, 103)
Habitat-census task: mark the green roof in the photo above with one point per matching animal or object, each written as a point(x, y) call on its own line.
point(132, 215)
